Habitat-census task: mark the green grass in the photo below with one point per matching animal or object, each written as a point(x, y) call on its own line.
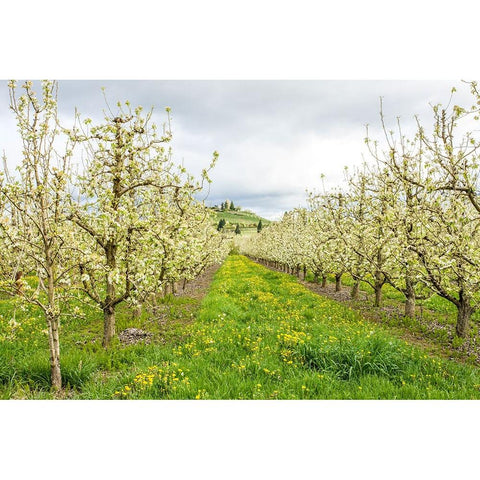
point(434, 309)
point(243, 218)
point(24, 358)
point(258, 334)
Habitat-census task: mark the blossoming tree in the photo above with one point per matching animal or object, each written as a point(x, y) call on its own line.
point(35, 235)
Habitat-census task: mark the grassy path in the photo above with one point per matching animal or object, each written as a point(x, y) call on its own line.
point(262, 335)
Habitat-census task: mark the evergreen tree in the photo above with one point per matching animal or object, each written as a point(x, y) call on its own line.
point(221, 224)
point(259, 226)
point(232, 207)
point(237, 229)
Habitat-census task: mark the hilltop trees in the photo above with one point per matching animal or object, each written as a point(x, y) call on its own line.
point(225, 205)
point(228, 205)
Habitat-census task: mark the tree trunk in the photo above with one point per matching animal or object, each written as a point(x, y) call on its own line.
point(137, 311)
point(338, 282)
point(355, 290)
point(410, 306)
point(54, 346)
point(18, 283)
point(464, 312)
point(315, 277)
point(53, 322)
point(378, 295)
point(379, 281)
point(108, 325)
point(304, 272)
point(324, 281)
point(152, 299)
point(107, 305)
point(410, 299)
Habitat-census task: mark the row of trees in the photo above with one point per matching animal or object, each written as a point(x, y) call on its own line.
point(98, 213)
point(409, 218)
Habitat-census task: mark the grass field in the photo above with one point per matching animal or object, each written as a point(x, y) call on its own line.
point(433, 311)
point(258, 334)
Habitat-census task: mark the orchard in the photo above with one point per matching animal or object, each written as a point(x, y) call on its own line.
point(117, 282)
point(124, 226)
point(408, 218)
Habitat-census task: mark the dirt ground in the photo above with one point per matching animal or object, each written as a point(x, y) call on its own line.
point(198, 288)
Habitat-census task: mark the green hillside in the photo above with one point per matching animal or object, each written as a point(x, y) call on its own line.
point(246, 219)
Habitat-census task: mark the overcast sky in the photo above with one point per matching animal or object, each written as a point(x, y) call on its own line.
point(275, 138)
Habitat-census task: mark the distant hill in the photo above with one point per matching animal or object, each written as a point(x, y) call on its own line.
point(247, 219)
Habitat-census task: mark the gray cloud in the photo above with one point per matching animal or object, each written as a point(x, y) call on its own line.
point(275, 138)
